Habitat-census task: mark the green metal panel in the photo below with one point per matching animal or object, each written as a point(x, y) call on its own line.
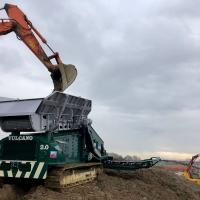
point(5, 166)
point(69, 144)
point(9, 150)
point(26, 167)
point(18, 150)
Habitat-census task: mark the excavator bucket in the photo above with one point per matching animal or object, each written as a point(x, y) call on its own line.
point(63, 77)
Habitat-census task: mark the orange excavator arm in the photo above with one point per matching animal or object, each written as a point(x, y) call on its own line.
point(190, 165)
point(61, 74)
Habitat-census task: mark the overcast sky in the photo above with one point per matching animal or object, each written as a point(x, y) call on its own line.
point(138, 61)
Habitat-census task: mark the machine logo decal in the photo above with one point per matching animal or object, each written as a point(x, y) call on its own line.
point(53, 154)
point(20, 137)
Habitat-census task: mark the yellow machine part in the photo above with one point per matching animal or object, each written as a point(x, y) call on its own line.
point(196, 176)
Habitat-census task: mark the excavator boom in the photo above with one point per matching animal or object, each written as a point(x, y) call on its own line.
point(190, 165)
point(61, 74)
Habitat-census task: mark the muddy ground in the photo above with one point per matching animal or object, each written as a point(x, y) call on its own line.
point(145, 184)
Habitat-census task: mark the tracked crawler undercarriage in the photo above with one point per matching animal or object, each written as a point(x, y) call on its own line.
point(72, 175)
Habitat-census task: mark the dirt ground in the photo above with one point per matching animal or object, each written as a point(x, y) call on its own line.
point(145, 184)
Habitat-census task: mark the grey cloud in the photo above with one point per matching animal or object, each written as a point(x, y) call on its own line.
point(181, 9)
point(10, 59)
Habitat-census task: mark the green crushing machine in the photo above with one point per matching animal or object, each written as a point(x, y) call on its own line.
point(52, 139)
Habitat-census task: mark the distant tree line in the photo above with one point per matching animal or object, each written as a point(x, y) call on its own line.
point(127, 157)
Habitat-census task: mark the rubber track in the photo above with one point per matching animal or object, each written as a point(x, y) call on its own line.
point(54, 176)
